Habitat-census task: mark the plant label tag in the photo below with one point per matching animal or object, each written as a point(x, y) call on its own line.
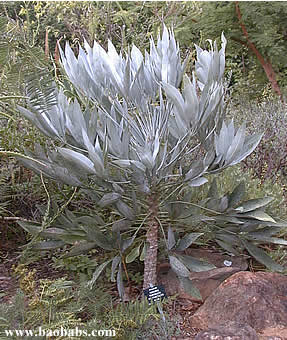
point(155, 293)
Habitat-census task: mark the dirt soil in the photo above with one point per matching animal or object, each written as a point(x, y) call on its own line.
point(11, 245)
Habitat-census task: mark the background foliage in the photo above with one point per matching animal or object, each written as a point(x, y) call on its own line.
point(194, 22)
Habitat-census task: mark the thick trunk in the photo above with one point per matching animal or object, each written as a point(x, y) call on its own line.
point(150, 261)
point(266, 65)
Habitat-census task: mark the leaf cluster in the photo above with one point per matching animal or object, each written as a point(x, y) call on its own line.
point(139, 139)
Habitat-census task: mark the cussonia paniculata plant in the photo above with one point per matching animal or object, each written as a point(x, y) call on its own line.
point(142, 135)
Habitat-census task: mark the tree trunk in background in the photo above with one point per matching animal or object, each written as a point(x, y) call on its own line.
point(150, 261)
point(266, 65)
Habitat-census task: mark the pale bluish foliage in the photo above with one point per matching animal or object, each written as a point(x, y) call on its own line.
point(141, 126)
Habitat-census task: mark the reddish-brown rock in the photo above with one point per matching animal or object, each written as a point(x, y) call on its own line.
point(255, 299)
point(230, 330)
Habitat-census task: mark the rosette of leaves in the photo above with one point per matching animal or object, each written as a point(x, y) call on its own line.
point(141, 131)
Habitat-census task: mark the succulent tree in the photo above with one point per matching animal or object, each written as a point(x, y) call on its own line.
point(141, 134)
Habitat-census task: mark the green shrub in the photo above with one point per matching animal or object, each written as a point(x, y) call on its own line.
point(269, 160)
point(81, 265)
point(52, 304)
point(44, 303)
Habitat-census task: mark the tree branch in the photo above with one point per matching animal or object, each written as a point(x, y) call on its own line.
point(266, 65)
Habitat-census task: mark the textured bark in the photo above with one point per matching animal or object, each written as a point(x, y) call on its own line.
point(266, 65)
point(47, 43)
point(150, 261)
